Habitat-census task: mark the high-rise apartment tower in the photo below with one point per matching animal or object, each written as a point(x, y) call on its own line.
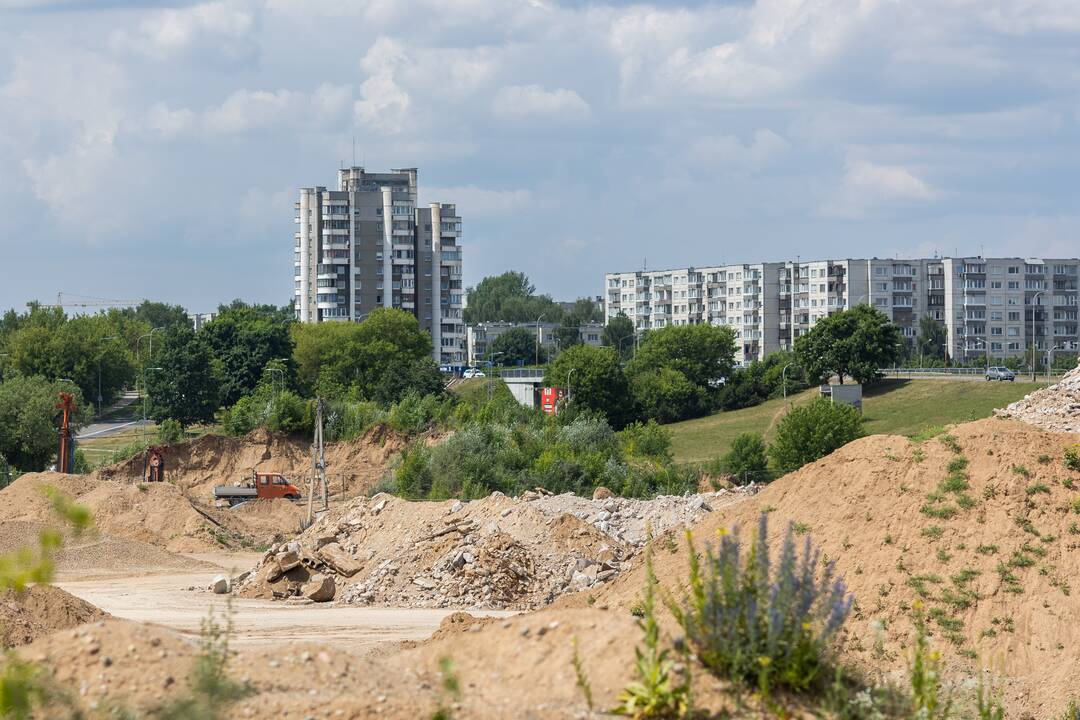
point(368, 245)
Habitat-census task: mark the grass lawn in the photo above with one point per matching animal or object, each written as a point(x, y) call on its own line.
point(899, 407)
point(475, 390)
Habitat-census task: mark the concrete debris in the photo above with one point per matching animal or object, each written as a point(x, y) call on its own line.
point(1056, 408)
point(494, 553)
point(220, 585)
point(320, 588)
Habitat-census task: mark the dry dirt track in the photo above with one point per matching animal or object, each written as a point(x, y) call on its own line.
point(163, 599)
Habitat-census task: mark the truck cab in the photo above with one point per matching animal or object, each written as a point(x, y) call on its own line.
point(261, 486)
point(274, 485)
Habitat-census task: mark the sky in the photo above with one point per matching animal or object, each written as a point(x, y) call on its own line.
point(155, 149)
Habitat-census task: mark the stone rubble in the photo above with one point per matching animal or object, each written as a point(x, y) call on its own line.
point(494, 553)
point(1056, 408)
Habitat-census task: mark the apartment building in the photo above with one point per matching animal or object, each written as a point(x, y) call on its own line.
point(368, 244)
point(480, 336)
point(769, 305)
point(1003, 306)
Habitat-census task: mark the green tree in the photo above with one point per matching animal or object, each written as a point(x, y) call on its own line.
point(29, 426)
point(595, 380)
point(584, 311)
point(619, 334)
point(82, 349)
point(509, 297)
point(703, 354)
point(812, 431)
point(932, 338)
point(568, 333)
point(333, 358)
point(746, 460)
point(853, 343)
point(665, 395)
point(162, 315)
point(184, 389)
point(518, 347)
point(243, 339)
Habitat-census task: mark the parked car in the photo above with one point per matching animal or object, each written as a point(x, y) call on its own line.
point(1000, 373)
point(473, 373)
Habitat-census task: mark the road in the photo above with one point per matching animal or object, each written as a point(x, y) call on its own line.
point(119, 417)
point(165, 600)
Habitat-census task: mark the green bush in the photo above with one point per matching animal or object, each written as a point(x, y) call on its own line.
point(650, 440)
point(170, 432)
point(812, 431)
point(762, 624)
point(7, 473)
point(746, 461)
point(1072, 458)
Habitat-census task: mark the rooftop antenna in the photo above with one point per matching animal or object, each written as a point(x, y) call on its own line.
point(645, 263)
point(354, 150)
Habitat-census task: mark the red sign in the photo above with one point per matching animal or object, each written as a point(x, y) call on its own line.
point(549, 399)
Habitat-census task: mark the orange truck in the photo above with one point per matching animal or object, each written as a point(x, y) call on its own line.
point(260, 486)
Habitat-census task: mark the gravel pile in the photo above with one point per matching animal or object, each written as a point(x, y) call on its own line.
point(1056, 408)
point(494, 553)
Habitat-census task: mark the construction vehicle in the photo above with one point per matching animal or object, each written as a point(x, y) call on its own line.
point(262, 485)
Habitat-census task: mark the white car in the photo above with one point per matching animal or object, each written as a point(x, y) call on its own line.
point(473, 373)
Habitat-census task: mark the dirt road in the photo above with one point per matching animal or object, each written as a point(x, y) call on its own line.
point(164, 599)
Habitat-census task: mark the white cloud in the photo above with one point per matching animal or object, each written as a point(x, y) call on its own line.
point(728, 151)
point(249, 109)
point(868, 188)
point(534, 101)
point(384, 105)
point(479, 202)
point(223, 29)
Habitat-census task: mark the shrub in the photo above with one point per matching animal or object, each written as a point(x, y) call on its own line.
point(1072, 458)
point(7, 473)
point(657, 692)
point(812, 431)
point(649, 440)
point(746, 460)
point(170, 432)
point(763, 625)
point(925, 672)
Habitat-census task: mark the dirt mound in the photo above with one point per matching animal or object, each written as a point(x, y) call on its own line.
point(494, 553)
point(198, 465)
point(992, 562)
point(95, 554)
point(39, 610)
point(1055, 408)
point(155, 513)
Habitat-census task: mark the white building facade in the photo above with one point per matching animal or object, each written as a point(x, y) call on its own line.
point(985, 304)
point(368, 244)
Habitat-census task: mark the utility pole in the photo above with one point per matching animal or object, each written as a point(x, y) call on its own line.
point(318, 457)
point(537, 358)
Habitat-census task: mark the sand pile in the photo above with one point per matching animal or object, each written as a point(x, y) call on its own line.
point(39, 610)
point(518, 667)
point(494, 553)
point(95, 554)
point(1055, 408)
point(198, 465)
point(154, 513)
point(995, 563)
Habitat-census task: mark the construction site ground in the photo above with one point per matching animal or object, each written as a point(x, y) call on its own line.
point(179, 601)
point(978, 523)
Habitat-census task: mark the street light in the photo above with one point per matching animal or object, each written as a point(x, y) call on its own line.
point(783, 377)
point(1033, 345)
point(537, 358)
point(986, 346)
point(568, 393)
point(631, 336)
point(151, 336)
point(1049, 360)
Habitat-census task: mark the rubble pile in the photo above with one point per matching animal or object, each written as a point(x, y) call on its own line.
point(1056, 408)
point(494, 553)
